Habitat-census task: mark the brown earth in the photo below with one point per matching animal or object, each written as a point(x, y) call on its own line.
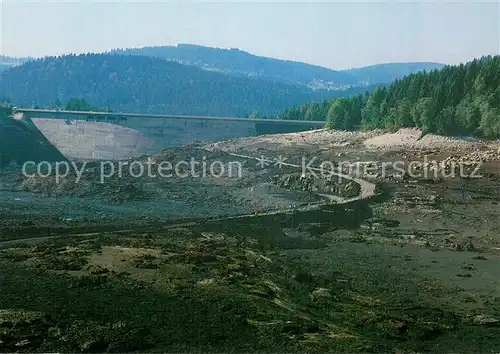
point(414, 269)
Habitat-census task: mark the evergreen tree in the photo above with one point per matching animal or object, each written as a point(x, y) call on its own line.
point(75, 104)
point(458, 100)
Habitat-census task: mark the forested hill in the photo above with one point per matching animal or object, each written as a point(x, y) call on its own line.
point(457, 100)
point(9, 62)
point(144, 84)
point(235, 61)
point(387, 73)
point(239, 62)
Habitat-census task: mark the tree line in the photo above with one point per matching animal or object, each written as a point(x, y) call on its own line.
point(128, 83)
point(457, 100)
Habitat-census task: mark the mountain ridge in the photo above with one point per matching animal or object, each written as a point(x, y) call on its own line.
point(241, 62)
point(385, 73)
point(236, 61)
point(7, 62)
point(150, 85)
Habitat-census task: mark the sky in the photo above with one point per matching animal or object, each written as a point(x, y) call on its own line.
point(337, 35)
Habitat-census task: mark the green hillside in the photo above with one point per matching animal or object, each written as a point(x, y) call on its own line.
point(129, 83)
point(387, 73)
point(457, 100)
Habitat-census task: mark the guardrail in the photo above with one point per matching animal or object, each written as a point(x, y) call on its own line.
point(55, 113)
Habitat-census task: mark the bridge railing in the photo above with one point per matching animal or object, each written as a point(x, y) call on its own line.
point(62, 114)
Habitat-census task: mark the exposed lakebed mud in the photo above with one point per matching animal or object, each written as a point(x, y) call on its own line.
point(101, 269)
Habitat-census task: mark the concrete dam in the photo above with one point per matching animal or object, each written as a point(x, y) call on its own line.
point(118, 136)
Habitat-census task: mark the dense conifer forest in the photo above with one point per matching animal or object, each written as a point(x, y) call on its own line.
point(127, 83)
point(457, 100)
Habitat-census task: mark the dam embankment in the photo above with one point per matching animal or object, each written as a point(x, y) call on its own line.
point(20, 143)
point(118, 136)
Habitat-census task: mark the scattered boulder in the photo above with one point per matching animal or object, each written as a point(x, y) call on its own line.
point(320, 295)
point(146, 261)
point(95, 269)
point(485, 320)
point(24, 330)
point(467, 246)
point(350, 190)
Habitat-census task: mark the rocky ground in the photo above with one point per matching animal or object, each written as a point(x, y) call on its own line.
point(143, 265)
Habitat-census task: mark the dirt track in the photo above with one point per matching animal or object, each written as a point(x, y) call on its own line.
point(411, 272)
point(367, 188)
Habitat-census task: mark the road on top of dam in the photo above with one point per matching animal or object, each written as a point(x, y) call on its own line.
point(57, 114)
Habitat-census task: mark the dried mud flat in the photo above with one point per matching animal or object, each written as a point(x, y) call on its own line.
point(414, 269)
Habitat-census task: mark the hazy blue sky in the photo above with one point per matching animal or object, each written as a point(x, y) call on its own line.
point(332, 34)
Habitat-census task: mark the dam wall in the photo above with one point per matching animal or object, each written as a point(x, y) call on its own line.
point(103, 136)
point(80, 139)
